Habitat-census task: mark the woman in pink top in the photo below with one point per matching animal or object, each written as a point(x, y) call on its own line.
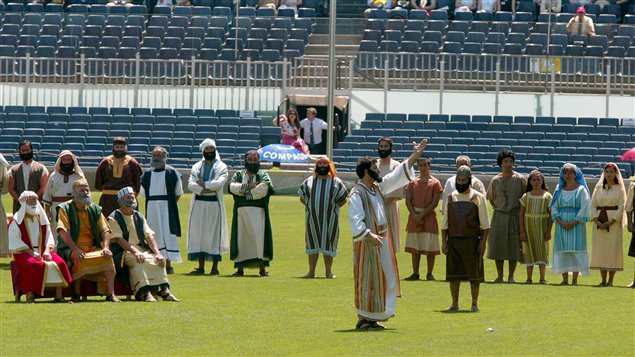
point(290, 130)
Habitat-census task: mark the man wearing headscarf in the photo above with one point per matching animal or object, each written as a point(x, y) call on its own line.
point(60, 184)
point(29, 175)
point(322, 193)
point(135, 252)
point(4, 188)
point(374, 264)
point(464, 230)
point(251, 239)
point(31, 242)
point(207, 237)
point(115, 172)
point(504, 194)
point(162, 187)
point(85, 241)
point(386, 164)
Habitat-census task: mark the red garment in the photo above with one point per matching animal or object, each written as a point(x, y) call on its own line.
point(423, 193)
point(31, 271)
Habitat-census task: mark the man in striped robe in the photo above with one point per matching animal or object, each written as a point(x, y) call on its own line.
point(323, 193)
point(375, 267)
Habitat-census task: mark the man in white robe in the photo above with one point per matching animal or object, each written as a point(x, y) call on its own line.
point(134, 247)
point(60, 184)
point(207, 237)
point(162, 188)
point(375, 268)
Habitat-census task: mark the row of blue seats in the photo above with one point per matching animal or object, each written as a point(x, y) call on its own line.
point(71, 111)
point(418, 117)
point(495, 126)
point(610, 15)
point(226, 10)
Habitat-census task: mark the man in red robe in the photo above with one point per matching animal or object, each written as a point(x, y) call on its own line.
point(31, 242)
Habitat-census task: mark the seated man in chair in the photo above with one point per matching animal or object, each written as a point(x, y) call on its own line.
point(134, 248)
point(31, 241)
point(85, 240)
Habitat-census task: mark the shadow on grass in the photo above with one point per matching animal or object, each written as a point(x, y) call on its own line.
point(4, 266)
point(445, 311)
point(354, 330)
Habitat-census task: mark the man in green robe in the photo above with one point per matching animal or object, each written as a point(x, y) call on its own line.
point(251, 243)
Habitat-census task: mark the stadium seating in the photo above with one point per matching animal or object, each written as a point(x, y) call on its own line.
point(543, 142)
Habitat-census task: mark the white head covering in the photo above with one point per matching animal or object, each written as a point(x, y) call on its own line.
point(124, 191)
point(207, 142)
point(4, 162)
point(78, 169)
point(620, 184)
point(19, 217)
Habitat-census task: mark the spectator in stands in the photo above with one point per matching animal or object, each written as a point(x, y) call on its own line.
point(272, 4)
point(464, 6)
point(489, 6)
point(291, 4)
point(126, 3)
point(162, 188)
point(580, 2)
point(4, 188)
point(624, 5)
point(207, 237)
point(135, 251)
point(570, 210)
point(506, 5)
point(85, 243)
point(465, 230)
point(550, 6)
point(386, 164)
point(422, 199)
point(313, 127)
point(251, 238)
point(290, 130)
point(115, 172)
point(31, 241)
point(437, 5)
point(379, 4)
point(504, 193)
point(450, 184)
point(417, 4)
point(322, 194)
point(60, 185)
point(581, 24)
point(29, 175)
point(607, 214)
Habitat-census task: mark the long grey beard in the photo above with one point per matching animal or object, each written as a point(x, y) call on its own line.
point(85, 200)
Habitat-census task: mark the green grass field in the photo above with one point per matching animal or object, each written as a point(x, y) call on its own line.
point(286, 315)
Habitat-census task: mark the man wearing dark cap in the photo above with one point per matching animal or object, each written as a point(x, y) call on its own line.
point(115, 172)
point(465, 229)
